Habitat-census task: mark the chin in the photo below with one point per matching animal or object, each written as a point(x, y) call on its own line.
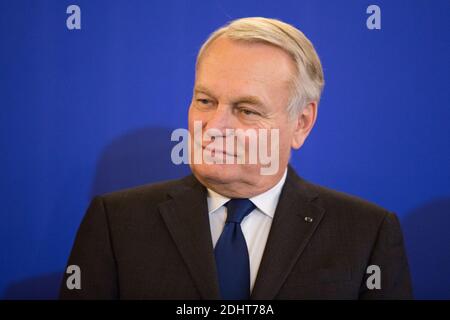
point(219, 173)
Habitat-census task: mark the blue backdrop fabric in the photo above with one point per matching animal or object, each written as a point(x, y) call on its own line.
point(88, 111)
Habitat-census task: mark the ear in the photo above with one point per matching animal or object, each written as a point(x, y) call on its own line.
point(303, 124)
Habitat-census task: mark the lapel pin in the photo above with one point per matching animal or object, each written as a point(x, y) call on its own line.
point(308, 219)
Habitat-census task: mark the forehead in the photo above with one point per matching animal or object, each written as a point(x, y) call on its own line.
point(236, 64)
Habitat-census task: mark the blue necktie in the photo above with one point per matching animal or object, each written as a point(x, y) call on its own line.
point(231, 253)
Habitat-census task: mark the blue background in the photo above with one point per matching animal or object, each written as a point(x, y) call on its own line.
point(88, 111)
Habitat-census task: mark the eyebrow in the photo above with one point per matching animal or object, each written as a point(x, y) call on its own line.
point(253, 100)
point(201, 89)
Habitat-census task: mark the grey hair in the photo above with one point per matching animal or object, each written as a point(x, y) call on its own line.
point(307, 84)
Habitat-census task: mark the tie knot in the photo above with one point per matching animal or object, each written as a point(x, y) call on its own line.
point(237, 209)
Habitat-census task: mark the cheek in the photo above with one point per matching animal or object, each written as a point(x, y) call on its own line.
point(197, 115)
point(193, 115)
point(286, 137)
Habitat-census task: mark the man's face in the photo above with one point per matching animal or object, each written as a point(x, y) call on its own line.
point(242, 85)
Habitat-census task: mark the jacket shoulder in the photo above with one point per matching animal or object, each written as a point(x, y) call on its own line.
point(148, 193)
point(346, 205)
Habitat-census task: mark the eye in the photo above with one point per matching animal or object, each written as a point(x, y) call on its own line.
point(204, 101)
point(248, 112)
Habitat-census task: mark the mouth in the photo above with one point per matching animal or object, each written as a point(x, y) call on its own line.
point(215, 152)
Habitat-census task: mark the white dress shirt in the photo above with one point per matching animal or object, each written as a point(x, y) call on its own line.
point(255, 226)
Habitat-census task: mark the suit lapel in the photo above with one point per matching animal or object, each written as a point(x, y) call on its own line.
point(186, 217)
point(291, 231)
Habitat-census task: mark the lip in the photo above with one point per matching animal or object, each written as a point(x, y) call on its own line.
point(218, 151)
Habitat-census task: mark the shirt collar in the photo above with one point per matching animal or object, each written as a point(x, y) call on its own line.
point(266, 202)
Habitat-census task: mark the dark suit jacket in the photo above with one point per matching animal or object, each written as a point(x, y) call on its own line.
point(154, 242)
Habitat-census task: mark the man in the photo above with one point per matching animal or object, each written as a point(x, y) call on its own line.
point(229, 231)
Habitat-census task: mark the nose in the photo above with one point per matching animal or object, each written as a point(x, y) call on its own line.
point(220, 120)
